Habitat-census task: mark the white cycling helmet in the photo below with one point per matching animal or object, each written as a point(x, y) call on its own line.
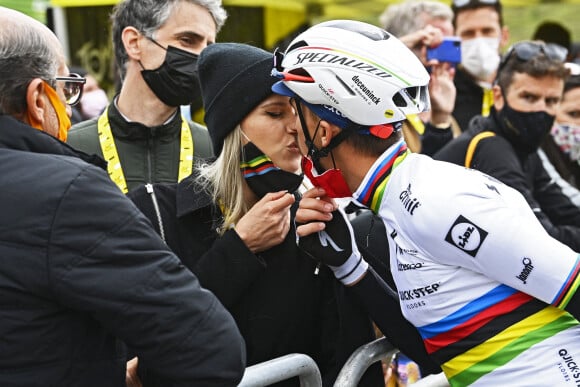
point(354, 69)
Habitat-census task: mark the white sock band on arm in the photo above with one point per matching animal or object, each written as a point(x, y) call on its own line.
point(350, 271)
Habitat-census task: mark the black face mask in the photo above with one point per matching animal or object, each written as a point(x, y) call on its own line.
point(263, 176)
point(175, 82)
point(524, 130)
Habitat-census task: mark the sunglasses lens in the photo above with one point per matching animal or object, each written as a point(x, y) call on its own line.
point(72, 92)
point(555, 52)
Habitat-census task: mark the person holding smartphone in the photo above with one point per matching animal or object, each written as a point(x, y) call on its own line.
point(426, 27)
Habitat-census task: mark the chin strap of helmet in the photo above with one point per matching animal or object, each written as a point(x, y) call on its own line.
point(316, 153)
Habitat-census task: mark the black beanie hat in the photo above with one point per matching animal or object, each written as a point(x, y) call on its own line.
point(234, 79)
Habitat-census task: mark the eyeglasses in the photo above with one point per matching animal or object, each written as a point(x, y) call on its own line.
point(463, 3)
point(73, 87)
point(526, 51)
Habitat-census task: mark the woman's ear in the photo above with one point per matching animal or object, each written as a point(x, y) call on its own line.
point(36, 103)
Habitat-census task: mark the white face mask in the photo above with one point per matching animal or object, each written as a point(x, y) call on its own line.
point(480, 57)
point(94, 102)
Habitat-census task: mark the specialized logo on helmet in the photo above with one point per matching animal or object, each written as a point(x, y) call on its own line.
point(319, 57)
point(465, 235)
point(365, 90)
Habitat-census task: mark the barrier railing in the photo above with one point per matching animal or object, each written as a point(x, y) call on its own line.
point(361, 359)
point(282, 368)
point(302, 366)
point(380, 349)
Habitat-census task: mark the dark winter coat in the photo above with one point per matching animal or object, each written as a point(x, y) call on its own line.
point(280, 305)
point(81, 269)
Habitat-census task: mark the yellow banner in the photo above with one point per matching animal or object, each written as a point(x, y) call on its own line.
point(82, 3)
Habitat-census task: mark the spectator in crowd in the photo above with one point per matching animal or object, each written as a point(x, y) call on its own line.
point(142, 134)
point(81, 267)
point(479, 24)
point(421, 24)
point(492, 294)
point(504, 145)
point(554, 32)
point(230, 222)
point(93, 101)
point(562, 147)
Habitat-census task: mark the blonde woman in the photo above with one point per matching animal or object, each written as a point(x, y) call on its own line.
point(231, 223)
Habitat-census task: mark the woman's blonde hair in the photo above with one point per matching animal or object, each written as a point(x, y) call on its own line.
point(224, 181)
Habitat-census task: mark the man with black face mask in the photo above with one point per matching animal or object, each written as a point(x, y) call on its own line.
point(141, 134)
point(527, 92)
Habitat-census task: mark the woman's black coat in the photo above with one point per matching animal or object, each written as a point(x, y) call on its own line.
point(280, 305)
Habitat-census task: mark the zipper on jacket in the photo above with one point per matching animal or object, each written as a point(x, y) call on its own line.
point(149, 161)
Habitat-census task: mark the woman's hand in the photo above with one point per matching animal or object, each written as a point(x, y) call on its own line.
point(267, 223)
point(131, 378)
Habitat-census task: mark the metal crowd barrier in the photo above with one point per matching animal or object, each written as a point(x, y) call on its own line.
point(361, 359)
point(286, 367)
point(282, 368)
point(380, 349)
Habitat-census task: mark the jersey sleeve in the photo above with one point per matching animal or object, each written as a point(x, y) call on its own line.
point(481, 224)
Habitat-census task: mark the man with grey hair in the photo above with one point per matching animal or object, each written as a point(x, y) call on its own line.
point(410, 16)
point(142, 134)
point(421, 24)
point(81, 269)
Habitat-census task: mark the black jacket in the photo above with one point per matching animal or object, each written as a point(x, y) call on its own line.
point(280, 305)
point(496, 157)
point(81, 268)
point(147, 154)
point(469, 98)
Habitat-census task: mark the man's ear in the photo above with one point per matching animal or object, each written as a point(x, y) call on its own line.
point(504, 37)
point(36, 103)
point(498, 99)
point(327, 132)
point(131, 38)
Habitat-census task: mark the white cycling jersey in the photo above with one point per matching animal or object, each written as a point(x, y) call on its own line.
point(476, 273)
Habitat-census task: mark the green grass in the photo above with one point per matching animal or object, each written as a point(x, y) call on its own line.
point(522, 21)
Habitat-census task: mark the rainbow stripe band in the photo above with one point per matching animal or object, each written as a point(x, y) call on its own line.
point(372, 193)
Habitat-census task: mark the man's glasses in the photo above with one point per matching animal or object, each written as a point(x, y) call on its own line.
point(526, 51)
point(73, 87)
point(463, 3)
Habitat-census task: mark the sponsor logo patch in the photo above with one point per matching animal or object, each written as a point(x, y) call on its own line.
point(526, 271)
point(409, 202)
point(413, 294)
point(408, 266)
point(570, 365)
point(466, 236)
point(370, 94)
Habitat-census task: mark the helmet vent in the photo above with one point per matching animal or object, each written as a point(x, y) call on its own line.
point(399, 101)
point(348, 89)
point(300, 43)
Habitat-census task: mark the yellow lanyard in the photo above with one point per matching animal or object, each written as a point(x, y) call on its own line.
point(487, 102)
point(114, 163)
point(416, 123)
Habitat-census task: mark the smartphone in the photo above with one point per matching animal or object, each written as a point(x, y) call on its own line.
point(448, 51)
